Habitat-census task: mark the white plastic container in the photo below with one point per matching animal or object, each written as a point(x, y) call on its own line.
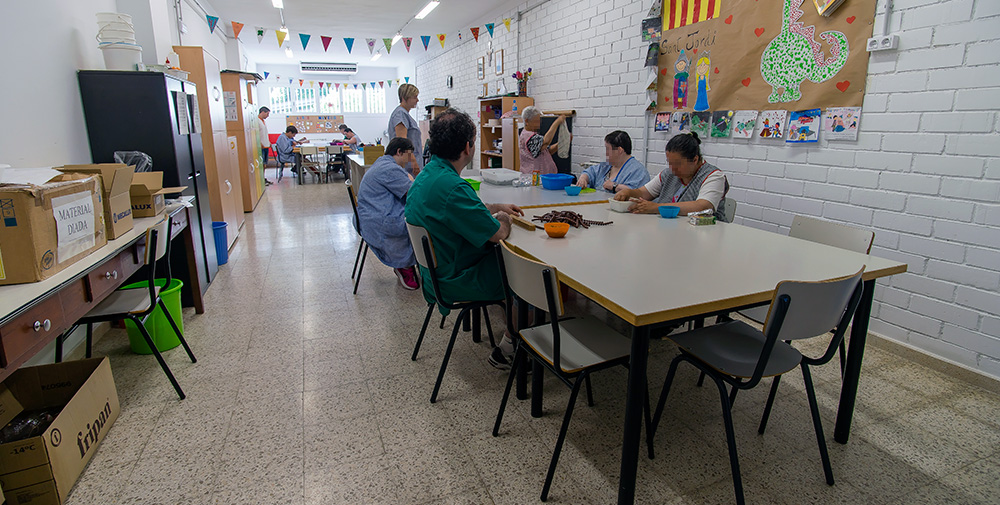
point(110, 17)
point(121, 56)
point(109, 35)
point(499, 176)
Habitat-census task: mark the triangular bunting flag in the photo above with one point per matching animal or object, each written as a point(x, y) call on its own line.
point(277, 77)
point(407, 79)
point(390, 82)
point(212, 21)
point(475, 33)
point(381, 84)
point(305, 40)
point(337, 85)
point(355, 86)
point(506, 22)
point(397, 82)
point(489, 28)
point(320, 84)
point(326, 41)
point(260, 35)
point(441, 37)
point(350, 44)
point(310, 84)
point(289, 81)
point(364, 86)
point(426, 39)
point(371, 45)
point(301, 81)
point(281, 37)
point(459, 35)
point(373, 84)
point(265, 75)
point(388, 45)
point(406, 42)
point(237, 28)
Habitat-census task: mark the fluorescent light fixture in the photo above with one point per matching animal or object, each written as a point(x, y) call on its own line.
point(284, 29)
point(397, 38)
point(288, 52)
point(377, 55)
point(427, 9)
point(278, 4)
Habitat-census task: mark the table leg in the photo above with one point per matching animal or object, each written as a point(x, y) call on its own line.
point(298, 166)
point(633, 414)
point(852, 372)
point(521, 392)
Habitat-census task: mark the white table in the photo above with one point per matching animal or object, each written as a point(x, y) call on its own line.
point(531, 196)
point(676, 271)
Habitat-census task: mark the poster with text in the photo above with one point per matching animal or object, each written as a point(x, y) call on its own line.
point(743, 54)
point(771, 124)
point(803, 126)
point(744, 122)
point(841, 123)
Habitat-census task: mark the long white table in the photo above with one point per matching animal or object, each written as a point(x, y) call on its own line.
point(531, 196)
point(676, 271)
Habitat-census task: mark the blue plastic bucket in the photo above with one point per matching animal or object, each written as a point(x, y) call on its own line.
point(221, 242)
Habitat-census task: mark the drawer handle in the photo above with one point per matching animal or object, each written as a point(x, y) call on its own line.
point(107, 275)
point(229, 185)
point(114, 274)
point(43, 325)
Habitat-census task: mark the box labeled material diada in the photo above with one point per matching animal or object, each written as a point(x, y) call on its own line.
point(81, 397)
point(46, 228)
point(147, 194)
point(116, 180)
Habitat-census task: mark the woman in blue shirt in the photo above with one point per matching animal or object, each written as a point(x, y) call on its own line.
point(402, 124)
point(381, 201)
point(620, 171)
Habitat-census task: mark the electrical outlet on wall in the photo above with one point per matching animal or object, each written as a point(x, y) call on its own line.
point(883, 43)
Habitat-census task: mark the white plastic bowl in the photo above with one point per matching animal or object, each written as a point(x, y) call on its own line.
point(121, 56)
point(618, 206)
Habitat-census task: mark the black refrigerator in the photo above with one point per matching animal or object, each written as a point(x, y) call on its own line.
point(157, 114)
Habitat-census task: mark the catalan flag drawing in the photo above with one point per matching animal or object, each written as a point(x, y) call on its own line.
point(679, 13)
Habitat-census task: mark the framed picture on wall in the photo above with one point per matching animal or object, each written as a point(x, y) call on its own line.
point(498, 61)
point(481, 67)
point(486, 89)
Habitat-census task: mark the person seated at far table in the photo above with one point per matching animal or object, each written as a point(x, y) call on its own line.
point(352, 141)
point(621, 170)
point(690, 182)
point(381, 201)
point(285, 146)
point(536, 150)
point(462, 227)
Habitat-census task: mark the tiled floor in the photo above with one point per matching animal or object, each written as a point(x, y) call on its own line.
point(305, 394)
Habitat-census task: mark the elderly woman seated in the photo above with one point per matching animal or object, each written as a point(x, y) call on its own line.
point(690, 182)
point(621, 171)
point(536, 150)
point(381, 201)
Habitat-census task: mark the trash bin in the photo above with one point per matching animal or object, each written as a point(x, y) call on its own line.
point(156, 324)
point(221, 242)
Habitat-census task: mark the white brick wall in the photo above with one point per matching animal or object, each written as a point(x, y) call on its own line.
point(924, 173)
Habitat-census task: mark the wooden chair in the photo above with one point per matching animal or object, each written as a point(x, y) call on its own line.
point(570, 348)
point(738, 355)
point(137, 304)
point(359, 261)
point(423, 249)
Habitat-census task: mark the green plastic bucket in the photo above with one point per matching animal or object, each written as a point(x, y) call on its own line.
point(157, 324)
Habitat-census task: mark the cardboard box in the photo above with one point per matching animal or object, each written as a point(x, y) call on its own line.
point(147, 194)
point(373, 153)
point(116, 179)
point(45, 228)
point(41, 470)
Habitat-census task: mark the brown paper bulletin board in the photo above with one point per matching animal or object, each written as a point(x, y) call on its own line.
point(316, 123)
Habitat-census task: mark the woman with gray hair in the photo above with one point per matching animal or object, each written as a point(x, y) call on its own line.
point(402, 124)
point(536, 150)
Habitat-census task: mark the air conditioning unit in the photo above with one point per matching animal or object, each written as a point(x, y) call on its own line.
point(316, 67)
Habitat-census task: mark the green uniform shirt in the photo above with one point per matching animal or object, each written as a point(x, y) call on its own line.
point(460, 226)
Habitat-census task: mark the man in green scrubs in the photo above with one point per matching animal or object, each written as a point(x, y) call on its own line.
point(462, 227)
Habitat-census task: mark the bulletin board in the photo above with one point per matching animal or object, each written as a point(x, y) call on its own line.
point(316, 124)
point(774, 54)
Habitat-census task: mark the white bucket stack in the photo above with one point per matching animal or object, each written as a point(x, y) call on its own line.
point(116, 38)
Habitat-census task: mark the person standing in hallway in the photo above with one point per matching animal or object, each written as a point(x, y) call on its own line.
point(265, 141)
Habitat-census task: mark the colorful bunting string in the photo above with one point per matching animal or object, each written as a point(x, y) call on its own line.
point(350, 44)
point(305, 40)
point(326, 42)
point(212, 21)
point(489, 28)
point(237, 28)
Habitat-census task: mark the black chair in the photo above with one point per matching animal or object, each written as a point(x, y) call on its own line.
point(424, 251)
point(739, 355)
point(570, 348)
point(137, 304)
point(359, 261)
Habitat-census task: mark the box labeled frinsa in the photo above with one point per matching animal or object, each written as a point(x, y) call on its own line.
point(147, 194)
point(116, 179)
point(41, 470)
point(46, 228)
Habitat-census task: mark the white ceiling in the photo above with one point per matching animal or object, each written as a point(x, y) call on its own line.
point(359, 19)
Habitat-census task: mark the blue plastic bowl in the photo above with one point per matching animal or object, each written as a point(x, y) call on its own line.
point(573, 190)
point(669, 211)
point(556, 181)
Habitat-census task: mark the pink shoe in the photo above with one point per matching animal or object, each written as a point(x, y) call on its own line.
point(407, 277)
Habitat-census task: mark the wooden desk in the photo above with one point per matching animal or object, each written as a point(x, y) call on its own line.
point(33, 315)
point(670, 270)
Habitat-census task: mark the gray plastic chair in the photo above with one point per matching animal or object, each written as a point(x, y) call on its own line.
point(730, 210)
point(739, 355)
point(570, 348)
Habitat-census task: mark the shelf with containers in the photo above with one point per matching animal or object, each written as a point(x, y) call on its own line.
point(498, 140)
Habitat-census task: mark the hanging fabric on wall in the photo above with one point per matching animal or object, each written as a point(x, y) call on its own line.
point(326, 42)
point(237, 28)
point(406, 42)
point(489, 28)
point(212, 21)
point(305, 40)
point(426, 39)
point(349, 42)
point(563, 143)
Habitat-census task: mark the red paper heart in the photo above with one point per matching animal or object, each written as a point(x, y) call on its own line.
point(717, 70)
point(843, 85)
point(746, 82)
point(729, 20)
point(695, 51)
point(758, 31)
point(851, 19)
point(663, 71)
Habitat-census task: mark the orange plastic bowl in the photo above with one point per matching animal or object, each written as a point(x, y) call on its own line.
point(556, 230)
